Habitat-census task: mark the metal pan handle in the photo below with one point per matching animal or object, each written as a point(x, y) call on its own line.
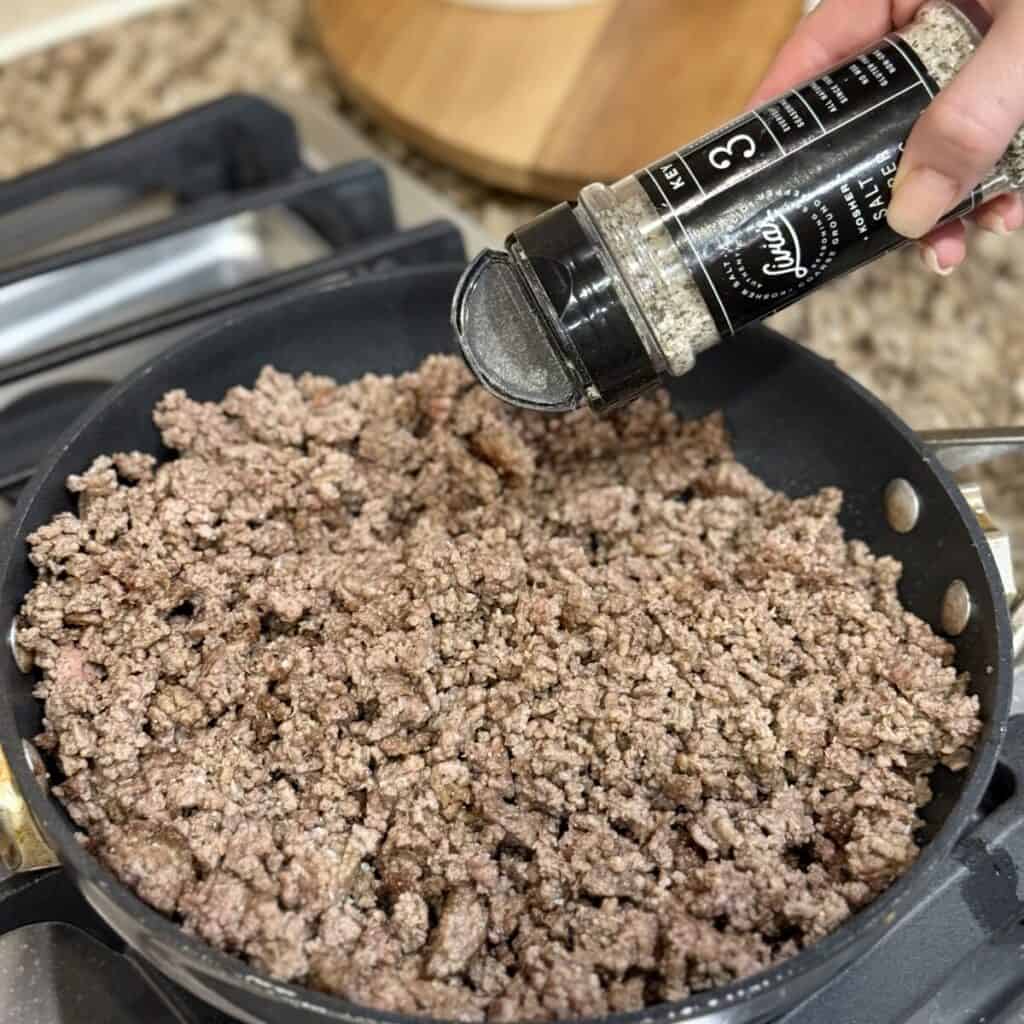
point(961, 449)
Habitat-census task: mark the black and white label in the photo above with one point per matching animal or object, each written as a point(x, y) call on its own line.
point(796, 193)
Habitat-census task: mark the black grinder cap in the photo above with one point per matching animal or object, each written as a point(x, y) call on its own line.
point(542, 325)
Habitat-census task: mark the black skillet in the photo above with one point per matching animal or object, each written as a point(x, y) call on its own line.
point(796, 420)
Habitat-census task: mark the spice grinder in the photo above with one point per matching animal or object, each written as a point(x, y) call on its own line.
point(593, 301)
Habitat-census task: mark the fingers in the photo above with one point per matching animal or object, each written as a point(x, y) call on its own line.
point(958, 140)
point(1002, 216)
point(945, 248)
point(835, 30)
point(962, 135)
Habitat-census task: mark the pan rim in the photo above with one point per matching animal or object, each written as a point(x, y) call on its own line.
point(88, 872)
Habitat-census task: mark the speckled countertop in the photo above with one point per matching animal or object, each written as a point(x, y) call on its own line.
point(941, 352)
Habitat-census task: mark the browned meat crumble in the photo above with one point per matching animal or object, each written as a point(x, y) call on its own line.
point(458, 711)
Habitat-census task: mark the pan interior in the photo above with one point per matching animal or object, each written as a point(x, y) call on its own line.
point(795, 421)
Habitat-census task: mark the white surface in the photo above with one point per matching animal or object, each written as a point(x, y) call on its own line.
point(30, 25)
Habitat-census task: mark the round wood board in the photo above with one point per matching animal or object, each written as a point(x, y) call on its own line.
point(545, 102)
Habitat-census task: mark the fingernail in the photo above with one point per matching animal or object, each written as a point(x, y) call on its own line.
point(991, 221)
point(931, 260)
point(919, 201)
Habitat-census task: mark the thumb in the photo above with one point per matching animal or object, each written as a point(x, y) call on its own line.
point(961, 136)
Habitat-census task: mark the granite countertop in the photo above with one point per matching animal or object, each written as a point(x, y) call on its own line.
point(942, 352)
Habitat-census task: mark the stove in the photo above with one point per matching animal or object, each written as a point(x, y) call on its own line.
point(118, 253)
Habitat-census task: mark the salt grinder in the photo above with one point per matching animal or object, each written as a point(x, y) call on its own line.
point(594, 300)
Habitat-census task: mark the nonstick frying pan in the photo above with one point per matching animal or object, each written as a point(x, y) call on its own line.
point(796, 420)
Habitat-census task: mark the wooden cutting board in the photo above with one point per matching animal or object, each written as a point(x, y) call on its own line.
point(545, 102)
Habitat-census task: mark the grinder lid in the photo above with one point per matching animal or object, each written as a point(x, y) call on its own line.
point(505, 341)
point(544, 326)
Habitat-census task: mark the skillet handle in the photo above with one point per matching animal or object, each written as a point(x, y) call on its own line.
point(961, 449)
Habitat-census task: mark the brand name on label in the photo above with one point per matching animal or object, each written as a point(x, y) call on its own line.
point(783, 244)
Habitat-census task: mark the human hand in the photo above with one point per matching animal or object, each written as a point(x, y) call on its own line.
point(959, 138)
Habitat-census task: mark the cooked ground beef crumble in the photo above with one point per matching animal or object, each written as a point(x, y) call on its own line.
point(459, 711)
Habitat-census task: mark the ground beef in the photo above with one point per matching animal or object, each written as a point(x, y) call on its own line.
point(459, 711)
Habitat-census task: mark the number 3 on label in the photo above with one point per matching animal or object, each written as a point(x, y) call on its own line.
point(721, 157)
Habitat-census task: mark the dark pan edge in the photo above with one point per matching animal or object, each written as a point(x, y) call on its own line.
point(100, 884)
